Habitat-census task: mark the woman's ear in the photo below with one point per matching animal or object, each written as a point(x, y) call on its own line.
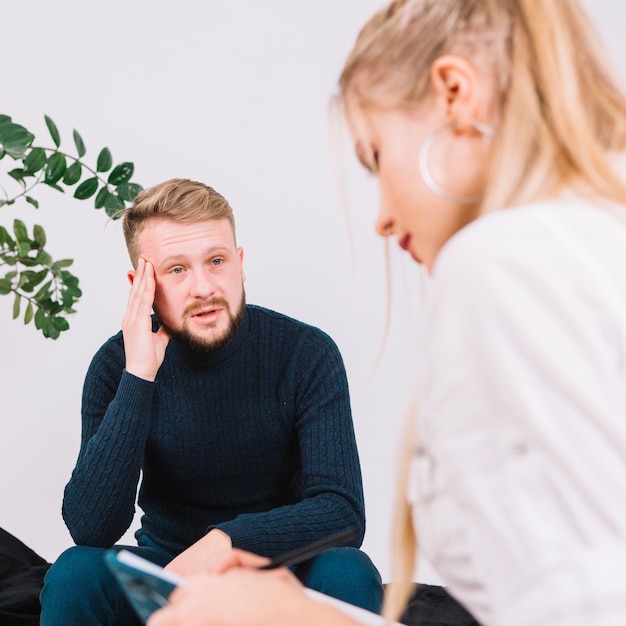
point(455, 85)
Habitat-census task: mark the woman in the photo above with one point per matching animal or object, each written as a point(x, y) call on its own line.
point(498, 139)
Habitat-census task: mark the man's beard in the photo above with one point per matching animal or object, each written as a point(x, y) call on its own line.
point(200, 343)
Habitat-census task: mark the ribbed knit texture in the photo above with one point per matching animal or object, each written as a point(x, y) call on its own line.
point(255, 439)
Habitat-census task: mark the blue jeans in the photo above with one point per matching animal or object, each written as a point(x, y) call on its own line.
point(79, 590)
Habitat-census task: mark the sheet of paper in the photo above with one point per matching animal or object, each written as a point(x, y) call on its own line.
point(367, 618)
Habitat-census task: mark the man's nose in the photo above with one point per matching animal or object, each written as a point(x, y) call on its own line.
point(202, 285)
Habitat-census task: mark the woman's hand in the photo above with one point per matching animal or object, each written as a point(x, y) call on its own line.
point(239, 596)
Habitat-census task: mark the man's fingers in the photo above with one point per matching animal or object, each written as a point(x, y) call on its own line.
point(238, 558)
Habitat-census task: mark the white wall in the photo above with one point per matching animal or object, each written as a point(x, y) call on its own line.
point(234, 94)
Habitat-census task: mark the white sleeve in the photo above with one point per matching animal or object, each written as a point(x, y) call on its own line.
point(521, 489)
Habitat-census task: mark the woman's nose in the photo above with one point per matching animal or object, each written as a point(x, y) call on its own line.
point(385, 225)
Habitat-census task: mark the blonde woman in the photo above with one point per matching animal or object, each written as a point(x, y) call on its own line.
point(497, 136)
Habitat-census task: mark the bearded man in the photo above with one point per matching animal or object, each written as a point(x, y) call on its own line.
point(233, 421)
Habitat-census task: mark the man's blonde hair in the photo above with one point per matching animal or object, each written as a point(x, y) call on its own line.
point(178, 199)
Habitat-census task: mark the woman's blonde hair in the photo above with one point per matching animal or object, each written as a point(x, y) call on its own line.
point(559, 112)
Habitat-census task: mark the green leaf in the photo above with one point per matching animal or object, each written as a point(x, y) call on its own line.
point(112, 204)
point(129, 191)
point(39, 235)
point(105, 160)
point(23, 248)
point(101, 197)
point(25, 260)
point(18, 175)
point(54, 186)
point(80, 144)
point(69, 279)
point(55, 168)
point(35, 160)
point(50, 331)
point(16, 306)
point(54, 133)
point(32, 201)
point(5, 238)
point(28, 316)
point(73, 173)
point(121, 173)
point(40, 317)
point(19, 228)
point(57, 265)
point(43, 258)
point(29, 279)
point(42, 293)
point(15, 139)
point(86, 189)
point(75, 292)
point(61, 324)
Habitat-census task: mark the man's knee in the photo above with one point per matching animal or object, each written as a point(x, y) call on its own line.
point(347, 574)
point(79, 563)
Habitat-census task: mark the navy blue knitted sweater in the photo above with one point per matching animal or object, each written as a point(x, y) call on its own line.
point(255, 439)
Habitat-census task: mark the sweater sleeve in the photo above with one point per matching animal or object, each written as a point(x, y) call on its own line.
point(329, 483)
point(99, 500)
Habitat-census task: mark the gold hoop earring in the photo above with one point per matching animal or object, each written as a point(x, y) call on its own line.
point(427, 177)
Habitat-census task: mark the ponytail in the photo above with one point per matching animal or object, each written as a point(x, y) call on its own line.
point(562, 114)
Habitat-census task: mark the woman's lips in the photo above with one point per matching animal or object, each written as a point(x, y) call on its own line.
point(405, 242)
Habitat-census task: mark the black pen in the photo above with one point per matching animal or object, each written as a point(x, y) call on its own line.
point(310, 550)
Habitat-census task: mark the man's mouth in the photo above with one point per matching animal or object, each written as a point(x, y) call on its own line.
point(204, 312)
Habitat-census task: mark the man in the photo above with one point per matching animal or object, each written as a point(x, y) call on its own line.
point(237, 418)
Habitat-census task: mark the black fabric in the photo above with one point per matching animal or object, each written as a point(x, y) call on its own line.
point(22, 572)
point(432, 605)
point(21, 578)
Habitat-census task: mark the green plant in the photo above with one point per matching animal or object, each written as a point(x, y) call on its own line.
point(44, 290)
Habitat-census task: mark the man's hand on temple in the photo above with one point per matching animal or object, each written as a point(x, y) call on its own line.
point(144, 349)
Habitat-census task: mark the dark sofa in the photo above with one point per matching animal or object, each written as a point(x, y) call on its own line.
point(22, 571)
point(431, 605)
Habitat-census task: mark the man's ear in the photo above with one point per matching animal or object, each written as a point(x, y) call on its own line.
point(455, 85)
point(131, 276)
point(240, 253)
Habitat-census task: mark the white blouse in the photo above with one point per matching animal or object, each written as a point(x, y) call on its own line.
point(518, 480)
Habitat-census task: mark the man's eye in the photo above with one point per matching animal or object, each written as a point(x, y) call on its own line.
point(177, 270)
point(217, 261)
